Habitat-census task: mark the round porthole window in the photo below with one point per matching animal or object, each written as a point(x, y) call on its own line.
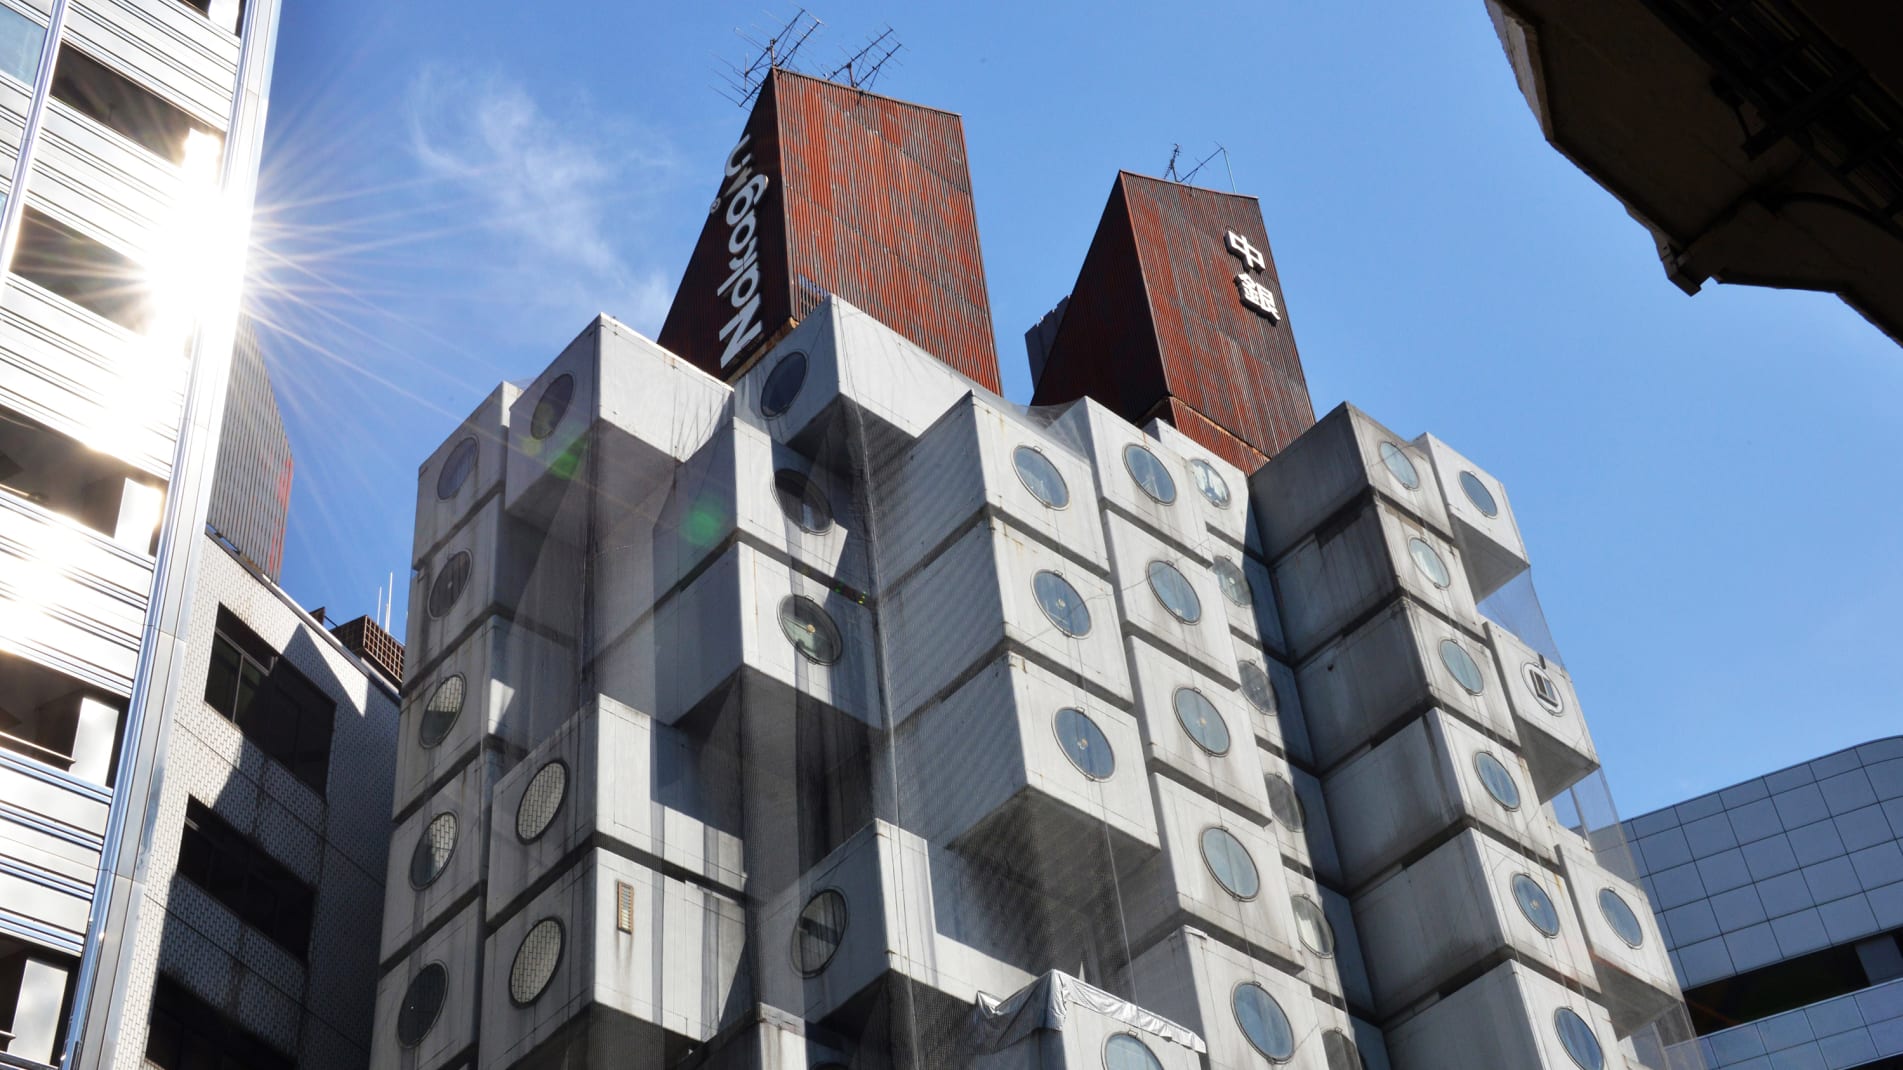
point(1210, 482)
point(456, 469)
point(1340, 1052)
point(1461, 664)
point(433, 850)
point(783, 385)
point(535, 961)
point(1535, 904)
point(1498, 780)
point(1229, 863)
point(810, 630)
point(1545, 691)
point(1199, 718)
point(1478, 494)
point(1084, 744)
point(541, 801)
point(1399, 466)
point(551, 406)
point(1233, 581)
point(818, 931)
point(1040, 477)
point(449, 584)
point(1172, 588)
point(1581, 1045)
point(1125, 1052)
point(1429, 562)
point(1263, 1022)
point(1284, 805)
point(1258, 688)
point(802, 501)
point(422, 1002)
point(1619, 915)
point(1061, 603)
point(440, 712)
point(1311, 923)
point(1150, 474)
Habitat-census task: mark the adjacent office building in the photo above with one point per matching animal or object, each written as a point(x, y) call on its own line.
point(781, 696)
point(1782, 901)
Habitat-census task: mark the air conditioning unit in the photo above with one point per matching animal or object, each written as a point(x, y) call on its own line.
point(1219, 490)
point(1559, 749)
point(1463, 904)
point(1359, 687)
point(1482, 517)
point(980, 457)
point(1345, 456)
point(464, 471)
point(1629, 953)
point(1510, 1016)
point(426, 1003)
point(1195, 728)
point(1361, 559)
point(437, 853)
point(612, 964)
point(1138, 477)
point(1170, 599)
point(1435, 774)
point(1058, 1022)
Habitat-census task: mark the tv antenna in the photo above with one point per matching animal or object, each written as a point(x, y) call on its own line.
point(771, 48)
point(862, 68)
point(1185, 177)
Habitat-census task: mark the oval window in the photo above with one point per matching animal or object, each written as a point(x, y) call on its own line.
point(1210, 482)
point(1428, 562)
point(433, 850)
point(1040, 477)
point(541, 801)
point(1173, 589)
point(1619, 915)
point(535, 961)
point(818, 931)
point(1340, 1051)
point(1199, 719)
point(1149, 473)
point(783, 385)
point(1399, 466)
point(450, 581)
point(1498, 780)
point(440, 713)
point(1479, 495)
point(422, 1003)
point(552, 406)
point(1581, 1044)
point(1263, 1022)
point(1233, 581)
point(1061, 603)
point(1284, 805)
point(802, 501)
point(1085, 744)
point(810, 629)
point(1311, 923)
point(1125, 1052)
point(1259, 689)
point(1461, 664)
point(456, 469)
point(1535, 904)
point(1229, 863)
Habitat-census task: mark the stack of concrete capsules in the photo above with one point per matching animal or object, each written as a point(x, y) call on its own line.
point(1491, 935)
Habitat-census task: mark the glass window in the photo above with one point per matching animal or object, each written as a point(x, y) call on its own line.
point(1461, 664)
point(551, 406)
point(1199, 718)
point(1263, 1022)
point(1259, 689)
point(20, 42)
point(277, 707)
point(802, 501)
point(810, 630)
point(1581, 1045)
point(439, 715)
point(1149, 473)
point(63, 475)
point(450, 581)
point(1040, 477)
point(1284, 804)
point(1233, 581)
point(96, 277)
point(422, 1002)
point(122, 105)
point(1498, 780)
point(1340, 1051)
point(1061, 603)
point(541, 801)
point(783, 384)
point(433, 850)
point(1311, 923)
point(1229, 863)
point(1535, 904)
point(1619, 915)
point(1428, 562)
point(1478, 494)
point(1172, 588)
point(1545, 691)
point(1399, 466)
point(1125, 1052)
point(818, 932)
point(1210, 482)
point(456, 468)
point(233, 869)
point(187, 1033)
point(1085, 744)
point(535, 961)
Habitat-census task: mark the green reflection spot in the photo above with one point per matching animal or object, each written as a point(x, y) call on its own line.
point(705, 520)
point(565, 466)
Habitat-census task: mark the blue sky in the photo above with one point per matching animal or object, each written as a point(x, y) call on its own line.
point(452, 190)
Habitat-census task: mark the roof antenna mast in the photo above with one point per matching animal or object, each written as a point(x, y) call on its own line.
point(774, 47)
point(1186, 177)
point(862, 68)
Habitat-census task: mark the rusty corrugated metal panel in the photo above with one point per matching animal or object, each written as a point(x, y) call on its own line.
point(1156, 325)
point(871, 201)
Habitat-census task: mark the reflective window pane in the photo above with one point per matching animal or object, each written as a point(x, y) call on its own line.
point(1230, 863)
point(1200, 720)
point(1263, 1022)
point(1061, 603)
point(1173, 589)
point(1040, 477)
point(1150, 473)
point(1085, 744)
point(1400, 466)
